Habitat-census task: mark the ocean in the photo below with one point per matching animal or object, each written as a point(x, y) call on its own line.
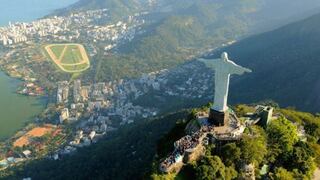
point(28, 10)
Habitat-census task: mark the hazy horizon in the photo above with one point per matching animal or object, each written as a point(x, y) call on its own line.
point(28, 10)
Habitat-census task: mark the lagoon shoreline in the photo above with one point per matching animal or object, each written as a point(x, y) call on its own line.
point(18, 111)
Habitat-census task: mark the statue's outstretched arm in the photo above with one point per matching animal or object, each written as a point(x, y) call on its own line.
point(210, 63)
point(236, 69)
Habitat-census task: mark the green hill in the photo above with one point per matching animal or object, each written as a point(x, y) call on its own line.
point(276, 151)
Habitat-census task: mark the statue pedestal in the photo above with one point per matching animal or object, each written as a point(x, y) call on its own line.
point(218, 118)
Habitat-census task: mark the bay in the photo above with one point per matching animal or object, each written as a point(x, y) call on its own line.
point(28, 10)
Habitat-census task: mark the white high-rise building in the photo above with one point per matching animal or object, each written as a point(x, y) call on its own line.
point(64, 115)
point(76, 90)
point(4, 40)
point(10, 41)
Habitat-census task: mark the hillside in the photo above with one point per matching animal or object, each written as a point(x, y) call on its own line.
point(177, 31)
point(173, 37)
point(133, 152)
point(285, 65)
point(117, 8)
point(124, 154)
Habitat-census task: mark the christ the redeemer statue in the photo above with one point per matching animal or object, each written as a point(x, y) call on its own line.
point(223, 69)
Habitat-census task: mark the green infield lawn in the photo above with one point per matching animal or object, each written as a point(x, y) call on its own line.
point(57, 50)
point(76, 67)
point(71, 58)
point(72, 55)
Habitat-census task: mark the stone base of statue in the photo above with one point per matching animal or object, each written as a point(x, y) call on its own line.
point(218, 118)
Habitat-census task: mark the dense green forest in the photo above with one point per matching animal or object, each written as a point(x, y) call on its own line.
point(134, 151)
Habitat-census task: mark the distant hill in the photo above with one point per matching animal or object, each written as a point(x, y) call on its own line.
point(276, 13)
point(116, 7)
point(285, 64)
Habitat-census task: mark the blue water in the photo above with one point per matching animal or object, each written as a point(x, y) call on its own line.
point(28, 10)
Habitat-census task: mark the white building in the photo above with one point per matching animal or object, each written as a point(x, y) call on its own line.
point(92, 134)
point(4, 40)
point(64, 115)
point(76, 91)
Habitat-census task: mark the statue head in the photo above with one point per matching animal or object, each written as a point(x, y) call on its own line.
point(224, 56)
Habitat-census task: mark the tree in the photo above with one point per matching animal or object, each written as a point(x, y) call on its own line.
point(283, 133)
point(316, 150)
point(231, 173)
point(302, 159)
point(313, 129)
point(254, 147)
point(273, 152)
point(282, 174)
point(210, 167)
point(231, 154)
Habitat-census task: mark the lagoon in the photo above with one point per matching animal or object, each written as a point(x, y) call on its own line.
point(17, 110)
